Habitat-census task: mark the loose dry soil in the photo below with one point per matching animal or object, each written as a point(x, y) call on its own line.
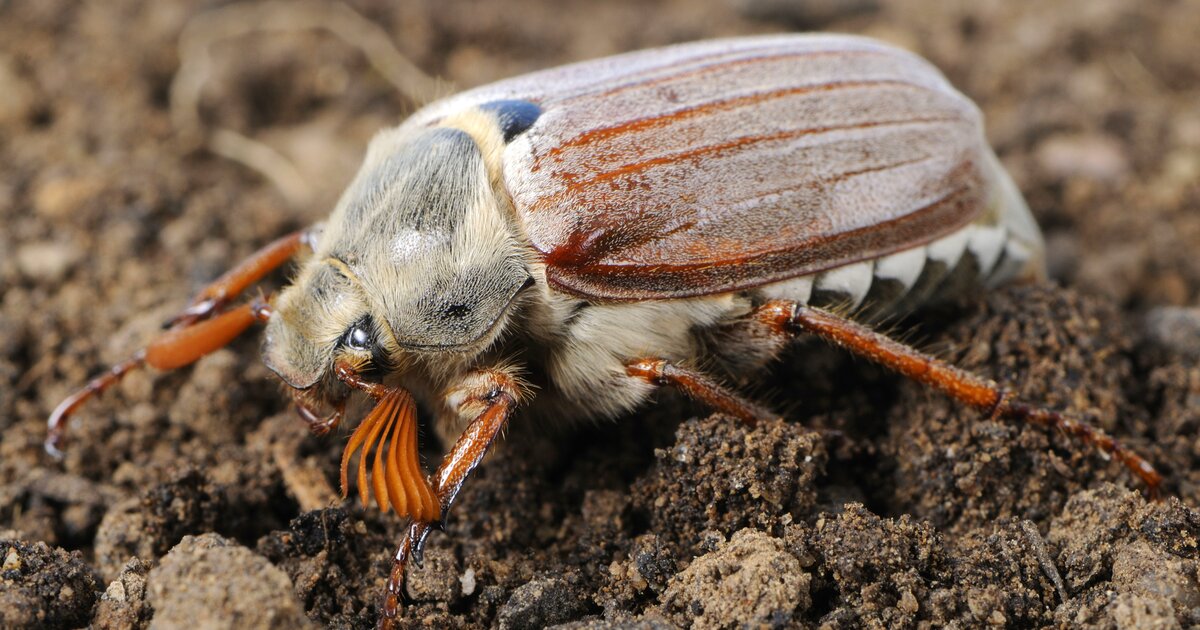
point(196, 497)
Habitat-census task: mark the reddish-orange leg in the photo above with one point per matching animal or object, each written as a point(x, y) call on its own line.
point(789, 318)
point(319, 426)
point(216, 296)
point(490, 397)
point(201, 328)
point(698, 387)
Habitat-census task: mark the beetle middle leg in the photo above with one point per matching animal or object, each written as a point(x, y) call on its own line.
point(489, 398)
point(697, 386)
point(203, 327)
point(788, 319)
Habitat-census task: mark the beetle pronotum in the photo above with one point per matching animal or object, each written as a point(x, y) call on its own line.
point(592, 227)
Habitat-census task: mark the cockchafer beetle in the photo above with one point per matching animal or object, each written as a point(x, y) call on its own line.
point(592, 228)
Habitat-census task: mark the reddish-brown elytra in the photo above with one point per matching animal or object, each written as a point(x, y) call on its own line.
point(623, 217)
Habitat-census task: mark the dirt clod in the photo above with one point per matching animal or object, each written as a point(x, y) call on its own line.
point(124, 604)
point(43, 587)
point(541, 603)
point(328, 554)
point(437, 579)
point(1129, 560)
point(1067, 351)
point(750, 580)
point(148, 527)
point(1143, 571)
point(722, 476)
point(1175, 329)
point(210, 581)
point(877, 566)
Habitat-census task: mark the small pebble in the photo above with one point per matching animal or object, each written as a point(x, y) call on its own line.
point(467, 580)
point(1093, 156)
point(46, 261)
point(62, 197)
point(12, 561)
point(16, 93)
point(1175, 329)
point(540, 603)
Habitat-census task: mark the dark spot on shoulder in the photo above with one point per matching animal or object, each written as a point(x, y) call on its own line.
point(514, 116)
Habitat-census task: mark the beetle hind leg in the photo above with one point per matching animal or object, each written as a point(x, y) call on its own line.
point(788, 319)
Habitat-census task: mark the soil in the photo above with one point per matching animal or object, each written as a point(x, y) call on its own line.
point(196, 495)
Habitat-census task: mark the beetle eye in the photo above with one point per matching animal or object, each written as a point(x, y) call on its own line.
point(357, 338)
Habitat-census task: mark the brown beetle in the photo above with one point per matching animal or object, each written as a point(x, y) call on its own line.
point(599, 225)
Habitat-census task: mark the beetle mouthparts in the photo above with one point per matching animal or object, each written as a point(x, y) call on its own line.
point(396, 477)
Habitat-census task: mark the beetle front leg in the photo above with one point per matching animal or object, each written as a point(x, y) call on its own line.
point(489, 398)
point(201, 328)
point(790, 318)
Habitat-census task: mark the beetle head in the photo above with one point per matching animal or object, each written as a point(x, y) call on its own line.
point(420, 257)
point(312, 319)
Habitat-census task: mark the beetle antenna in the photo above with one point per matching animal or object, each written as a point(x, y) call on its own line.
point(396, 478)
point(203, 327)
point(176, 348)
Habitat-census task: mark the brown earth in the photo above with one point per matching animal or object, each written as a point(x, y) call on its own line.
point(875, 504)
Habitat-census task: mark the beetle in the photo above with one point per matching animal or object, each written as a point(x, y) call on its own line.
point(592, 232)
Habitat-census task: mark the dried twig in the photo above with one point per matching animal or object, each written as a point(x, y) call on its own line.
point(1043, 557)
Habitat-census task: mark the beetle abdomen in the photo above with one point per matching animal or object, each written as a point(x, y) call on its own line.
point(1002, 244)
